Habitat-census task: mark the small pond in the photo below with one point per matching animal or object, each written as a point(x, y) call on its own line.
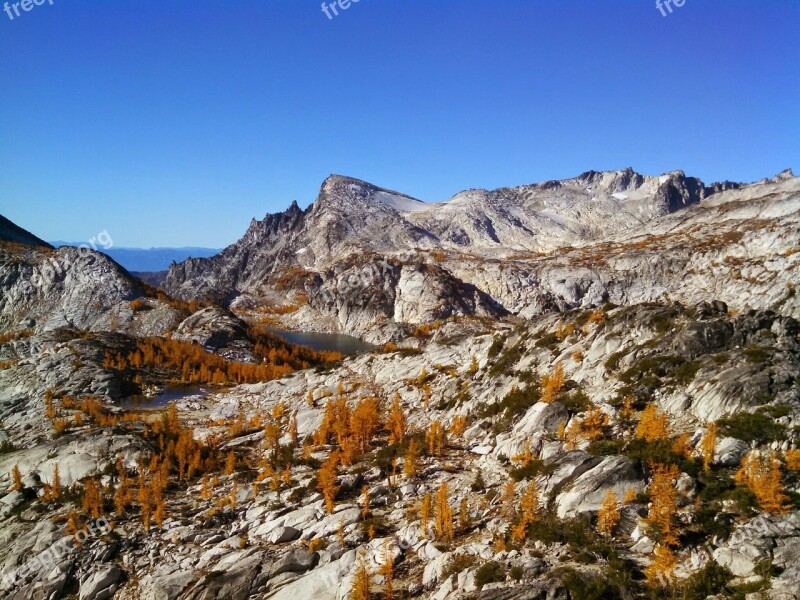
point(336, 342)
point(169, 394)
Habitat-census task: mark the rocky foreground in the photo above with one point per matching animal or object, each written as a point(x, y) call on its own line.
point(255, 518)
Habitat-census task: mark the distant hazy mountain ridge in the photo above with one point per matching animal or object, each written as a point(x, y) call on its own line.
point(149, 259)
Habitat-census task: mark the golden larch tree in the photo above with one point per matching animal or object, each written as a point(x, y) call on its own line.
point(464, 519)
point(608, 515)
point(286, 475)
point(365, 421)
point(659, 573)
point(362, 581)
point(708, 444)
point(122, 494)
point(508, 498)
point(594, 425)
point(230, 463)
point(293, 430)
point(386, 570)
point(553, 384)
point(53, 491)
point(443, 523)
point(653, 425)
point(793, 459)
point(525, 457)
point(761, 472)
point(411, 458)
point(425, 511)
point(396, 422)
point(364, 502)
point(435, 438)
point(681, 445)
point(326, 480)
point(529, 503)
point(16, 476)
point(664, 504)
point(92, 499)
point(458, 425)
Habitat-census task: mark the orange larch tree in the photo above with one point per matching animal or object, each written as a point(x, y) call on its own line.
point(761, 472)
point(396, 422)
point(552, 384)
point(708, 444)
point(664, 504)
point(653, 425)
point(443, 517)
point(608, 515)
point(326, 480)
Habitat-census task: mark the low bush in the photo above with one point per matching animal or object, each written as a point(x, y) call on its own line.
point(507, 360)
point(589, 587)
point(458, 564)
point(497, 345)
point(576, 401)
point(489, 572)
point(712, 579)
point(757, 354)
point(533, 469)
point(686, 372)
point(752, 427)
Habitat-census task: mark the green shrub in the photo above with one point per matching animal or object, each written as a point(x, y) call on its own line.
point(576, 401)
point(686, 372)
point(711, 522)
point(533, 469)
point(606, 447)
point(711, 580)
point(489, 572)
point(589, 587)
point(507, 360)
point(775, 411)
point(497, 345)
point(479, 484)
point(757, 354)
point(457, 564)
point(750, 427)
point(547, 341)
point(714, 485)
point(516, 403)
point(651, 369)
point(746, 502)
point(662, 323)
point(721, 359)
point(659, 452)
point(613, 360)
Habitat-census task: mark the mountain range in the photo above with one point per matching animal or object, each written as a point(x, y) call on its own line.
point(370, 261)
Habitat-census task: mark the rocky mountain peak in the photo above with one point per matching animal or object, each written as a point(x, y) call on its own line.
point(612, 181)
point(346, 194)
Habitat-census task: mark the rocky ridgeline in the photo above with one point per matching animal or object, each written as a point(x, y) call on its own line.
point(371, 262)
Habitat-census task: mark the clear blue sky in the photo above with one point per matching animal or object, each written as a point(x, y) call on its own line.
point(173, 123)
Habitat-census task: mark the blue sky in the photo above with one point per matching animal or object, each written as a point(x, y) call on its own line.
point(174, 122)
